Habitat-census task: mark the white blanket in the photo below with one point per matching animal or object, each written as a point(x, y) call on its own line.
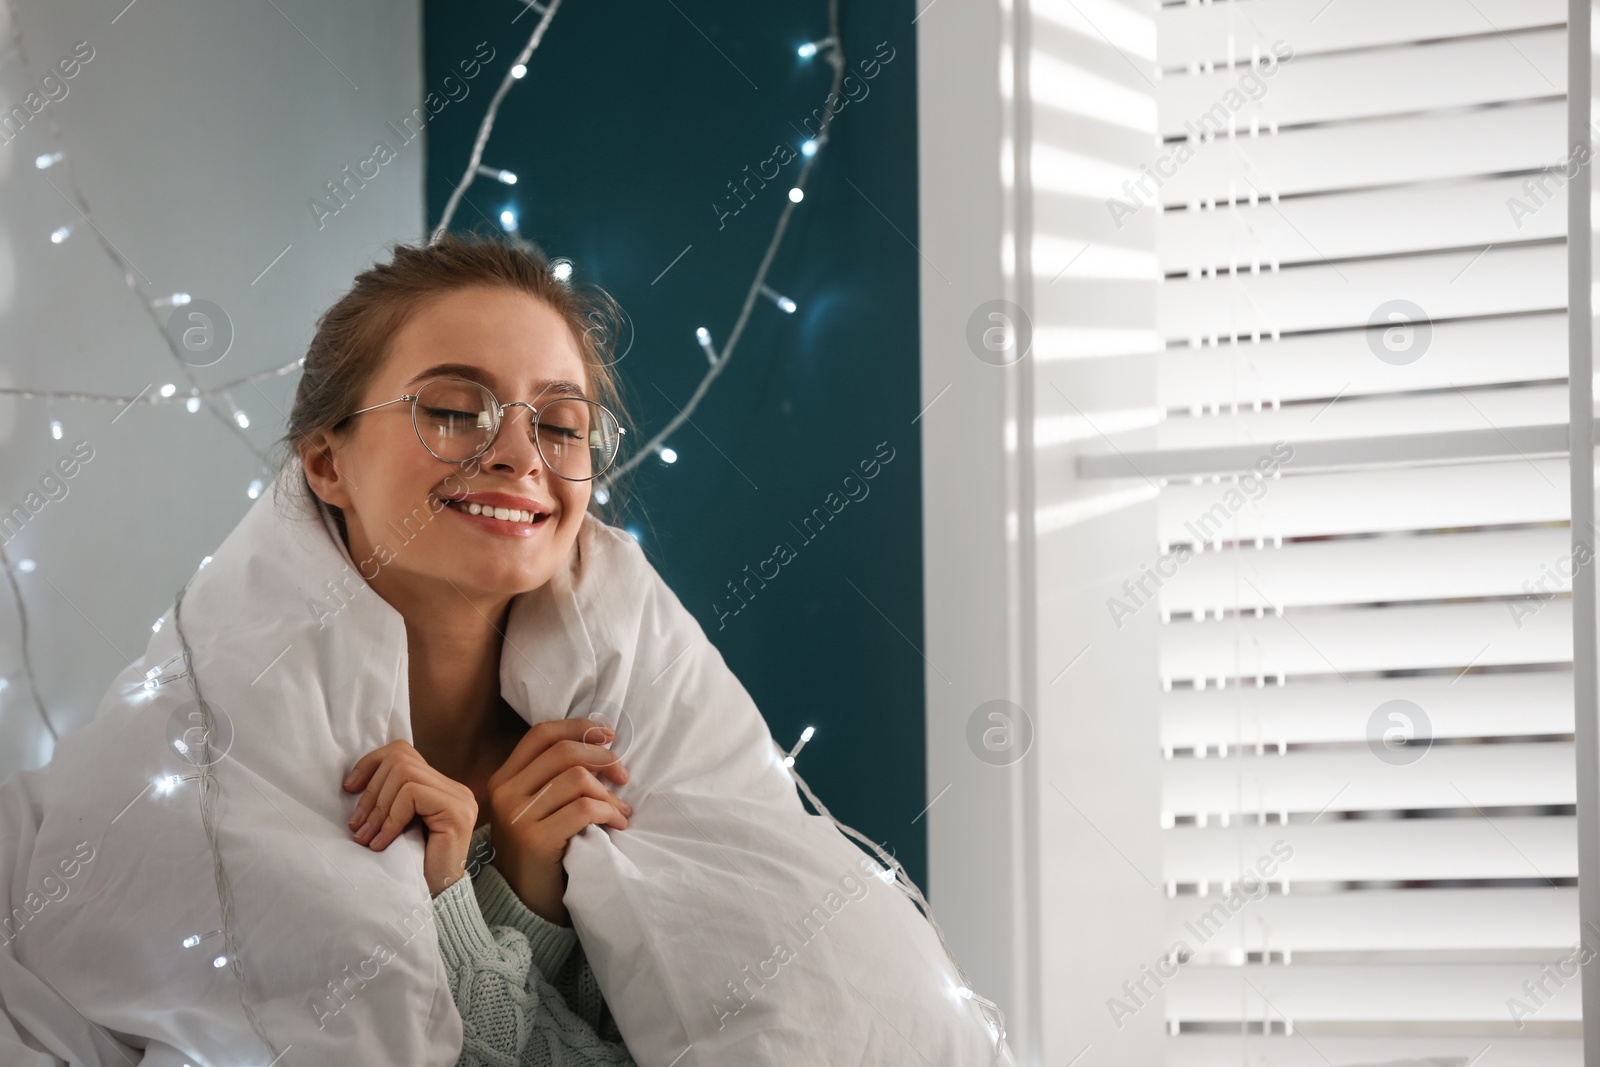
point(726, 925)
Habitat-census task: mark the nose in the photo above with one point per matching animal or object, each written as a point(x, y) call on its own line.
point(513, 448)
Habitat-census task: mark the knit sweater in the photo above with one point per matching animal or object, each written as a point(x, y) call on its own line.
point(523, 986)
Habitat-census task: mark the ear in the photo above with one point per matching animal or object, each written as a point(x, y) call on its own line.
point(322, 453)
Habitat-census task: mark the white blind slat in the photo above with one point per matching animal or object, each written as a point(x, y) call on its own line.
point(1532, 704)
point(1192, 33)
point(1460, 354)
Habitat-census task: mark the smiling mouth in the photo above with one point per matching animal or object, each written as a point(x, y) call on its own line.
point(510, 515)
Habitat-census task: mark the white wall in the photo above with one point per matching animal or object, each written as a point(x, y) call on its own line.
point(1045, 871)
point(198, 131)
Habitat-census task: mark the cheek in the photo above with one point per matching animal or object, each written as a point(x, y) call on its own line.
point(574, 502)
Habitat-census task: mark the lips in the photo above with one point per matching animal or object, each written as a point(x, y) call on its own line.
point(500, 512)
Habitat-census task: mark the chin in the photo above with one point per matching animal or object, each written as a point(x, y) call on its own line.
point(511, 570)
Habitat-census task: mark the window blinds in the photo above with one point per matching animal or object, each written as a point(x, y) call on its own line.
point(1402, 574)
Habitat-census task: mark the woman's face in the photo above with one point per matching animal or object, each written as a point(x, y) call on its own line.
point(393, 491)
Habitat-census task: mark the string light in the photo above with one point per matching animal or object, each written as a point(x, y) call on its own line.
point(508, 220)
point(834, 51)
point(896, 875)
point(130, 275)
point(668, 455)
point(519, 68)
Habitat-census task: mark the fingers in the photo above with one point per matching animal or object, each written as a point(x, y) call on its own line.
point(600, 734)
point(400, 772)
point(381, 788)
point(555, 761)
point(366, 765)
point(541, 737)
point(412, 799)
point(570, 785)
point(570, 820)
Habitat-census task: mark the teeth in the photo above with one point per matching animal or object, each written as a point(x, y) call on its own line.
point(504, 514)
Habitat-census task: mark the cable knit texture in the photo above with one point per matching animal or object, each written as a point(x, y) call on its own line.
point(524, 989)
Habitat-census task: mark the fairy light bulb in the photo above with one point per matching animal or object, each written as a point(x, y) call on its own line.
point(805, 735)
point(784, 303)
point(505, 177)
point(703, 335)
point(55, 429)
point(796, 194)
point(194, 939)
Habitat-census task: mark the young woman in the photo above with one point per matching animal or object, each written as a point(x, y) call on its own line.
point(464, 385)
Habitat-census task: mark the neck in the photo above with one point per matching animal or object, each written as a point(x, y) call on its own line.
point(453, 652)
point(453, 642)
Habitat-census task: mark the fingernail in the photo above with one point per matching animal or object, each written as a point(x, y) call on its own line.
point(350, 778)
point(627, 809)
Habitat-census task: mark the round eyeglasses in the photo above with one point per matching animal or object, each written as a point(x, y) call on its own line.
point(457, 420)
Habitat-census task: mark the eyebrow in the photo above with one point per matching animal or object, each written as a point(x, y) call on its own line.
point(559, 386)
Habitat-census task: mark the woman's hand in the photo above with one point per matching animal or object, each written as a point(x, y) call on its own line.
point(401, 786)
point(543, 795)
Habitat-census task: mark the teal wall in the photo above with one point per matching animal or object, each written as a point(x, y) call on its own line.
point(625, 135)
